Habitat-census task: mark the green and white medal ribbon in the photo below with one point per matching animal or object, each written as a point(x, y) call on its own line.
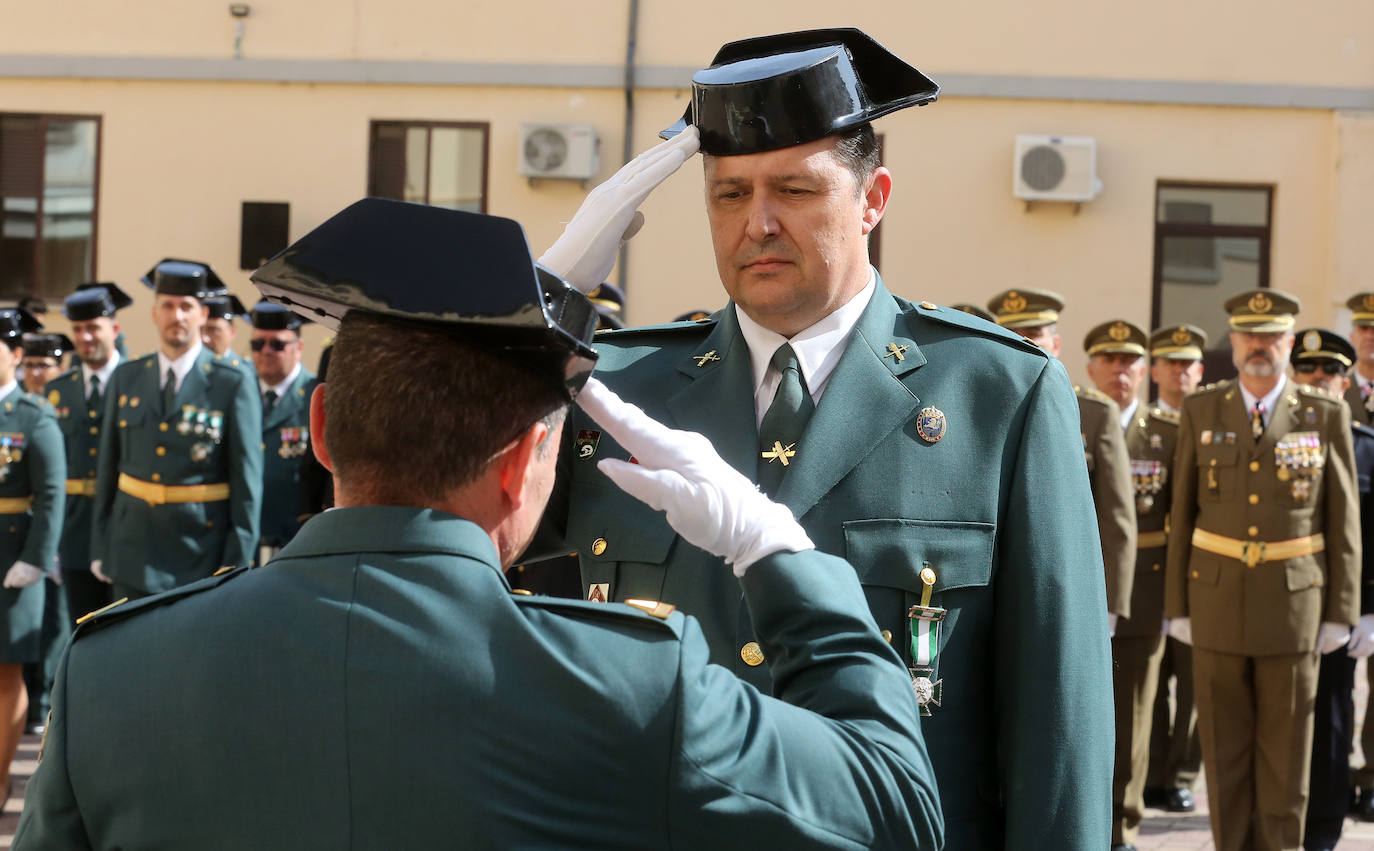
point(925, 646)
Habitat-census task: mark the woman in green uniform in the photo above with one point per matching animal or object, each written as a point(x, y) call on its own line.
point(33, 471)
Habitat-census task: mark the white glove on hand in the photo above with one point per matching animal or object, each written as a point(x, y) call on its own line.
point(1181, 629)
point(1332, 637)
point(708, 502)
point(1362, 638)
point(584, 254)
point(22, 575)
point(1111, 624)
point(95, 568)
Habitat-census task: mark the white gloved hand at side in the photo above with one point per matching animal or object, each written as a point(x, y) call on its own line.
point(95, 569)
point(1111, 624)
point(1332, 637)
point(21, 575)
point(584, 254)
point(1181, 629)
point(708, 502)
point(1362, 638)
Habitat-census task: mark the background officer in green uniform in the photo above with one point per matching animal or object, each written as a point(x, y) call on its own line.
point(936, 452)
point(43, 354)
point(219, 331)
point(179, 487)
point(399, 591)
point(1034, 314)
point(31, 496)
point(1175, 754)
point(1263, 570)
point(1321, 359)
point(285, 386)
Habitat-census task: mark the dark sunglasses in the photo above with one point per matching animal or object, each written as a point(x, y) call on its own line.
point(1329, 367)
point(274, 345)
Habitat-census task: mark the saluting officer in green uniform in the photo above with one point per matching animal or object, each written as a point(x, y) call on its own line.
point(285, 386)
point(1034, 314)
point(219, 331)
point(1175, 754)
point(589, 725)
point(1263, 570)
point(31, 496)
point(936, 452)
point(179, 487)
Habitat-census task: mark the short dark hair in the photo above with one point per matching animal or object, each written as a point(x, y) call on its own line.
point(413, 413)
point(857, 148)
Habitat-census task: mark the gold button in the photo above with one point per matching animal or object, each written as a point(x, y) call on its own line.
point(927, 576)
point(927, 305)
point(93, 451)
point(1254, 499)
point(887, 636)
point(95, 430)
point(157, 477)
point(93, 414)
point(1155, 568)
point(1252, 531)
point(1254, 466)
point(123, 423)
point(752, 654)
point(133, 403)
point(161, 450)
point(1195, 574)
point(209, 524)
point(161, 426)
point(598, 546)
point(1214, 462)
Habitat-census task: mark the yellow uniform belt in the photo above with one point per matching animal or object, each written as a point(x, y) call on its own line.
point(1146, 540)
point(16, 505)
point(81, 487)
point(1258, 552)
point(154, 494)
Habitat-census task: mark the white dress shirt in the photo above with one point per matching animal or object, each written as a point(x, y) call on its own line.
point(1128, 413)
point(280, 389)
point(103, 373)
point(1269, 401)
point(1165, 406)
point(180, 366)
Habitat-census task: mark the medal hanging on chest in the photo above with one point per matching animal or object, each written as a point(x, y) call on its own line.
point(11, 452)
point(188, 415)
point(925, 621)
point(1148, 478)
point(294, 442)
point(1298, 461)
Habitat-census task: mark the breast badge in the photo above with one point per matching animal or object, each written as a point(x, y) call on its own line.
point(1298, 461)
point(11, 452)
point(1148, 478)
point(587, 440)
point(294, 442)
point(930, 424)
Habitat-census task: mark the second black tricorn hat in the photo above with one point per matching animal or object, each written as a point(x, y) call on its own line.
point(16, 322)
point(47, 345)
point(467, 274)
point(270, 316)
point(92, 301)
point(776, 91)
point(226, 306)
point(184, 277)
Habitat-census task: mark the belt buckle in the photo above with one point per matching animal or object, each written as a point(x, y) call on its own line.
point(1252, 553)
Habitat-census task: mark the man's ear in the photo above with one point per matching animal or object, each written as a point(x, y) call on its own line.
point(317, 442)
point(877, 190)
point(517, 460)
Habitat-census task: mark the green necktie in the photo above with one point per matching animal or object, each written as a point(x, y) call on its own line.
point(269, 401)
point(169, 391)
point(783, 423)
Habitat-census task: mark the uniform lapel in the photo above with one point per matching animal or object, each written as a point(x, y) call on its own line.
point(1284, 420)
point(1358, 413)
point(287, 406)
point(193, 386)
point(719, 400)
point(864, 401)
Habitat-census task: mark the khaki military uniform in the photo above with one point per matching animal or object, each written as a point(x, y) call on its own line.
point(1109, 470)
point(1264, 547)
point(1138, 644)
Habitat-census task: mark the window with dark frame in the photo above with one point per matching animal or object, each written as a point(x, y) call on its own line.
point(440, 163)
point(1212, 241)
point(49, 194)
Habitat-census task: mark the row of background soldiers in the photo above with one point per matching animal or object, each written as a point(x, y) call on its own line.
point(167, 484)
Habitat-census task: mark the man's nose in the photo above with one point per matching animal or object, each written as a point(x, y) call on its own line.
point(763, 220)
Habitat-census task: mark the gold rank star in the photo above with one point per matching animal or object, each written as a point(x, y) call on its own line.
point(779, 452)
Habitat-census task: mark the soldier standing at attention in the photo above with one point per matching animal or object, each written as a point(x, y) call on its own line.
point(1263, 571)
point(43, 354)
point(1175, 754)
point(1034, 314)
point(219, 331)
point(32, 469)
point(179, 488)
point(285, 386)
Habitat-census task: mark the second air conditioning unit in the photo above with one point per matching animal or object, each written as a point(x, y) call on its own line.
point(566, 151)
point(1056, 168)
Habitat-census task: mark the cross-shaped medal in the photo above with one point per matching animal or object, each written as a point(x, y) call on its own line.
point(779, 452)
point(702, 360)
point(895, 350)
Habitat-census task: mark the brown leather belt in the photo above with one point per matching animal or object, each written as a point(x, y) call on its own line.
point(16, 505)
point(1253, 553)
point(81, 487)
point(155, 494)
point(1149, 540)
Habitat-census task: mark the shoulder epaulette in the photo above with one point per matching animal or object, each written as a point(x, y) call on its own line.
point(33, 400)
point(641, 612)
point(671, 327)
point(119, 611)
point(1170, 417)
point(73, 374)
point(1319, 393)
point(968, 322)
point(1093, 393)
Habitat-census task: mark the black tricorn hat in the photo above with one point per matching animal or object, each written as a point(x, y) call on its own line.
point(776, 91)
point(268, 316)
point(184, 277)
point(15, 322)
point(467, 274)
point(226, 306)
point(47, 345)
point(91, 301)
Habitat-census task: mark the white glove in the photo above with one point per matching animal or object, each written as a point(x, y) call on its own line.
point(584, 254)
point(1181, 629)
point(708, 502)
point(21, 575)
point(95, 568)
point(1362, 638)
point(1332, 637)
point(1111, 624)
point(1164, 628)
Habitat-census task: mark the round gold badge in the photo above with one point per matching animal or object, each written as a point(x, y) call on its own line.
point(1261, 303)
point(1013, 303)
point(1181, 336)
point(1311, 341)
point(1118, 331)
point(752, 654)
point(54, 397)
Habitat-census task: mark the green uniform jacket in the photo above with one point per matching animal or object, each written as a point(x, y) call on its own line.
point(285, 438)
point(1109, 470)
point(1150, 439)
point(81, 424)
point(394, 693)
point(1228, 484)
point(998, 507)
point(157, 547)
point(1358, 412)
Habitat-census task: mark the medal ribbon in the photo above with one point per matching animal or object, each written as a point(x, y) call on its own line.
point(925, 627)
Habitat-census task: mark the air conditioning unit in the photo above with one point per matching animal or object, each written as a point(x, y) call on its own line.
point(566, 151)
point(1056, 168)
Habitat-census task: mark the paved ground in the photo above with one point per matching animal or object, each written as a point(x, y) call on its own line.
point(1161, 831)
